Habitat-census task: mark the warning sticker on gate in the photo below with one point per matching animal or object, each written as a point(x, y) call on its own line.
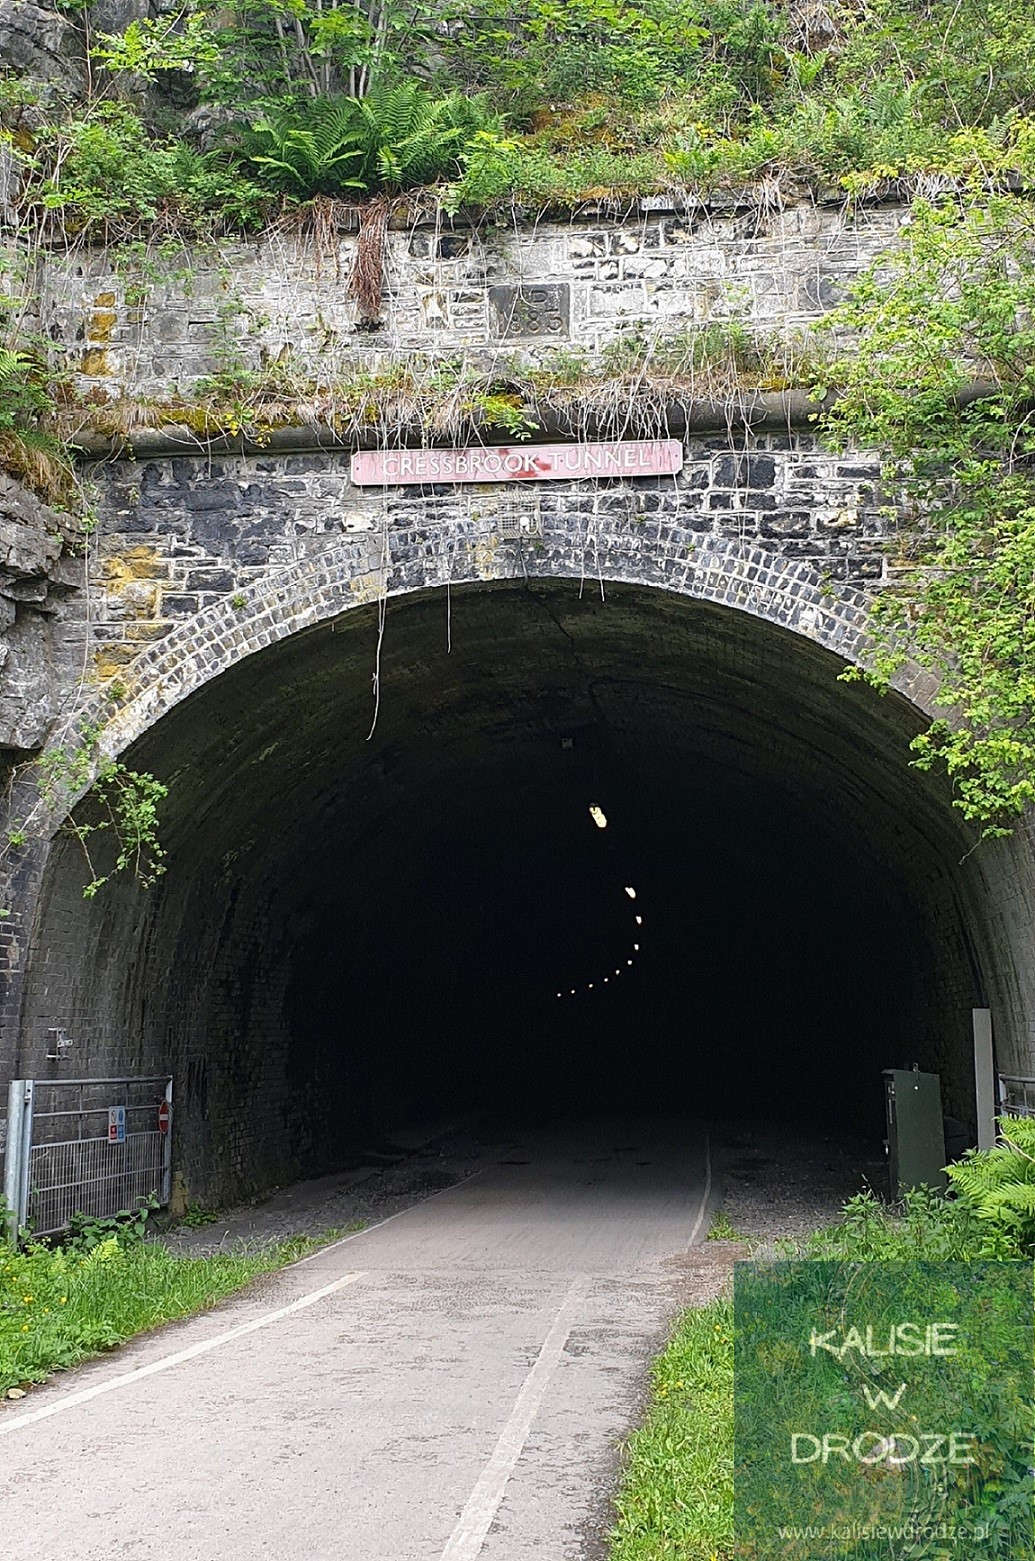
point(116, 1124)
point(883, 1411)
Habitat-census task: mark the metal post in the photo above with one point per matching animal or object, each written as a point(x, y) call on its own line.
point(26, 1155)
point(167, 1149)
point(984, 1078)
point(12, 1160)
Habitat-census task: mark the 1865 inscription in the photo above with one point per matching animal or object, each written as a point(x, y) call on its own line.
point(538, 310)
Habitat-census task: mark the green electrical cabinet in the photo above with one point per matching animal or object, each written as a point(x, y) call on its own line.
point(916, 1130)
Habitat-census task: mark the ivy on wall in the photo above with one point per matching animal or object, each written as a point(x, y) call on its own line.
point(941, 377)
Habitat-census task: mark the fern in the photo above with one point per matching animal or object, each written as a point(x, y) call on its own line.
point(310, 150)
point(396, 138)
point(16, 385)
point(998, 1185)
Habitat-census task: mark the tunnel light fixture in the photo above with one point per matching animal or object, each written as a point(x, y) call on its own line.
point(598, 815)
point(639, 921)
point(630, 892)
point(636, 948)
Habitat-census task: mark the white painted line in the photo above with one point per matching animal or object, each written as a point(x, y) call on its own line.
point(707, 1190)
point(468, 1537)
point(73, 1399)
point(368, 1229)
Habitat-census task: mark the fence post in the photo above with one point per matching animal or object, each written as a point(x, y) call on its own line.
point(984, 1078)
point(26, 1156)
point(16, 1168)
point(167, 1149)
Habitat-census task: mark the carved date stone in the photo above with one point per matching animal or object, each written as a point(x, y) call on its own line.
point(533, 310)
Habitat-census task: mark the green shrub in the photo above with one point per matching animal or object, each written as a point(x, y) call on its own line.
point(29, 450)
point(614, 96)
point(128, 1228)
point(997, 1187)
point(925, 1224)
point(311, 149)
point(397, 137)
point(991, 1216)
point(105, 170)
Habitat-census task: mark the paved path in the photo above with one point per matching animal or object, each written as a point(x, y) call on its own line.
point(453, 1384)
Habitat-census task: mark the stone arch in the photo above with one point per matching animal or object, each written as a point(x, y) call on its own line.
point(778, 590)
point(229, 933)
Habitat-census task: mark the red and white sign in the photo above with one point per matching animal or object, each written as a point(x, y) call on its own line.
point(518, 463)
point(163, 1117)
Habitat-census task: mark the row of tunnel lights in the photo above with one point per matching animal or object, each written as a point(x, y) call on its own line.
point(599, 818)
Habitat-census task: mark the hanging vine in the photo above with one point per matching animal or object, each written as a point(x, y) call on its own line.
point(121, 804)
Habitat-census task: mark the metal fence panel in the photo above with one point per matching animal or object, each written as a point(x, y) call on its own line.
point(1020, 1095)
point(86, 1146)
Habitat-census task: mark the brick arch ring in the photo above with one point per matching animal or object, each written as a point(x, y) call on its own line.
point(785, 592)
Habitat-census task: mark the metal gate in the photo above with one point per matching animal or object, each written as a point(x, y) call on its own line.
point(85, 1146)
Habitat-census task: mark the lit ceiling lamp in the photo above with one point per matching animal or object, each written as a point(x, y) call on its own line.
point(630, 892)
point(598, 815)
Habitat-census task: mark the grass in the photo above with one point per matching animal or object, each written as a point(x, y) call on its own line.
point(723, 1229)
point(675, 1502)
point(58, 1307)
point(676, 1498)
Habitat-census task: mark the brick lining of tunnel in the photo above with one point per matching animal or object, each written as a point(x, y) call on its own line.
point(194, 976)
point(212, 575)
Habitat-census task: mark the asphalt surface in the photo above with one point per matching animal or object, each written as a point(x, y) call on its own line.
point(453, 1384)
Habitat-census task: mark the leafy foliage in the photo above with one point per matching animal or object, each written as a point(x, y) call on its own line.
point(925, 1226)
point(991, 1217)
point(310, 149)
point(120, 803)
point(395, 138)
point(998, 1187)
point(128, 1228)
point(105, 172)
point(957, 303)
point(59, 1305)
point(29, 449)
point(602, 97)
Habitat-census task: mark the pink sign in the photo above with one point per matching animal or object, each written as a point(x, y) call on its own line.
point(518, 463)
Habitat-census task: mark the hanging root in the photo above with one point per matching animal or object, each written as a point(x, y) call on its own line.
point(366, 284)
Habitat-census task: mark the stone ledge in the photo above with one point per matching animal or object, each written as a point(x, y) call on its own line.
point(753, 412)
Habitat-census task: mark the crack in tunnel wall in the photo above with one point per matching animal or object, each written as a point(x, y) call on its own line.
point(352, 933)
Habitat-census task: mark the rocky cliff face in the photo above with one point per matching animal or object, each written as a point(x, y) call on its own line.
point(36, 41)
point(35, 572)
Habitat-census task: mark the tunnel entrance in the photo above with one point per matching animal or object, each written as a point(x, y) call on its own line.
point(360, 928)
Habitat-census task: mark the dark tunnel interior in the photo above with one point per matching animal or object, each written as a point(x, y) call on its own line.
point(758, 968)
point(362, 930)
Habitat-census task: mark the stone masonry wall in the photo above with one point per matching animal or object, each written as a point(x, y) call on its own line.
point(178, 536)
point(199, 559)
point(136, 325)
